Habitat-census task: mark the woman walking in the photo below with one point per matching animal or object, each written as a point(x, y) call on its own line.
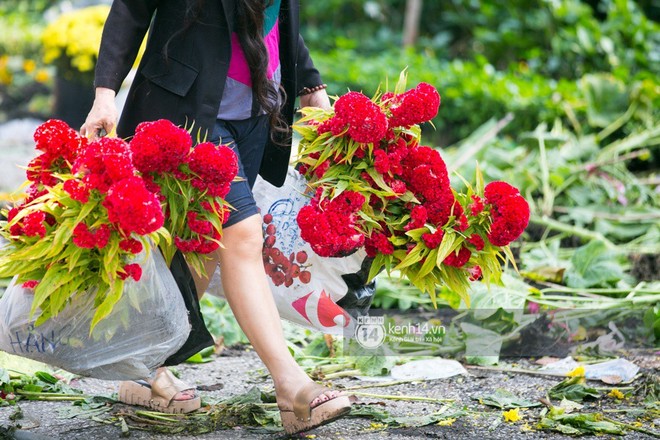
point(232, 69)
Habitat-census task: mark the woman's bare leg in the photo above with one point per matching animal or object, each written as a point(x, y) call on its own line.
point(248, 293)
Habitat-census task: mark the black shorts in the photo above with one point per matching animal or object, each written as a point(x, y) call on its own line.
point(248, 139)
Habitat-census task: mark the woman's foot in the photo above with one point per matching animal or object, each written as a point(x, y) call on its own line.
point(307, 406)
point(164, 392)
point(287, 389)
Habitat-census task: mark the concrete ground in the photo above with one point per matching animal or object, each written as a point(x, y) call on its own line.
point(237, 371)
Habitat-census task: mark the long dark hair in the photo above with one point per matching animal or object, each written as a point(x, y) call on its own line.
point(250, 16)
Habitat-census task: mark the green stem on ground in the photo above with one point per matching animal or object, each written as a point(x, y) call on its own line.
point(51, 396)
point(516, 370)
point(548, 194)
point(410, 398)
point(613, 388)
point(633, 427)
point(615, 217)
point(157, 416)
point(347, 373)
point(381, 384)
point(618, 123)
point(544, 220)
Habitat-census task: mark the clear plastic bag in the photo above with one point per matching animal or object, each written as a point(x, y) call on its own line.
point(319, 293)
point(146, 326)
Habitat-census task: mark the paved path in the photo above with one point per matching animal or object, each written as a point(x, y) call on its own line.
point(239, 371)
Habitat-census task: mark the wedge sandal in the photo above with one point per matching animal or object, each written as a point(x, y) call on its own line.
point(303, 417)
point(159, 395)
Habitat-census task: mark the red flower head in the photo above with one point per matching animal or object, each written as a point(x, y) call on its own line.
point(131, 270)
point(160, 146)
point(334, 125)
point(32, 284)
point(426, 176)
point(215, 167)
point(477, 205)
point(33, 224)
point(475, 273)
point(415, 106)
point(131, 245)
point(381, 161)
point(40, 169)
point(104, 162)
point(133, 207)
point(191, 245)
point(16, 229)
point(329, 226)
point(433, 240)
point(418, 217)
point(367, 122)
point(509, 210)
point(458, 258)
point(58, 140)
point(202, 227)
point(77, 190)
point(378, 243)
point(476, 241)
point(85, 238)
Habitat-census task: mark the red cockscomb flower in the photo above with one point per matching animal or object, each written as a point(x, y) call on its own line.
point(366, 121)
point(33, 224)
point(433, 240)
point(415, 106)
point(160, 146)
point(458, 258)
point(57, 139)
point(131, 245)
point(378, 243)
point(131, 270)
point(133, 207)
point(215, 167)
point(329, 225)
point(509, 210)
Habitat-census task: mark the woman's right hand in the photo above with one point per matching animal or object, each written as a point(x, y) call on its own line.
point(102, 116)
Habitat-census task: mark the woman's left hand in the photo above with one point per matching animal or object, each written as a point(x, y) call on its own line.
point(316, 99)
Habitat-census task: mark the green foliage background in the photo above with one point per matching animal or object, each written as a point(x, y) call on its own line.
point(490, 57)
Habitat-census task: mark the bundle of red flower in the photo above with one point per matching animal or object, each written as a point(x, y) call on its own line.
point(92, 206)
point(86, 215)
point(376, 187)
point(191, 183)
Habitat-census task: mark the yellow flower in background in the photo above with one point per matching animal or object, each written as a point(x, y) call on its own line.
point(5, 74)
point(512, 415)
point(616, 394)
point(75, 36)
point(41, 76)
point(29, 66)
point(577, 372)
point(446, 422)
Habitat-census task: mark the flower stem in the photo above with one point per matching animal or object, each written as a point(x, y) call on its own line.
point(348, 373)
point(633, 427)
point(573, 230)
point(51, 396)
point(410, 398)
point(381, 384)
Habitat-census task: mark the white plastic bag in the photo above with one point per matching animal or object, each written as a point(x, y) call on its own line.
point(146, 326)
point(306, 287)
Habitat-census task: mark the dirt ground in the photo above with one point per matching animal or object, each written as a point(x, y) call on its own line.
point(237, 371)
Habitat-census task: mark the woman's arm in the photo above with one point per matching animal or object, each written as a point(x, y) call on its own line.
point(309, 77)
point(123, 33)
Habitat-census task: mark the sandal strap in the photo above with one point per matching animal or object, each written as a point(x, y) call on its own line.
point(165, 386)
point(302, 402)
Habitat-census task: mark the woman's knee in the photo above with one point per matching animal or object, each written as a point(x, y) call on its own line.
point(244, 239)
